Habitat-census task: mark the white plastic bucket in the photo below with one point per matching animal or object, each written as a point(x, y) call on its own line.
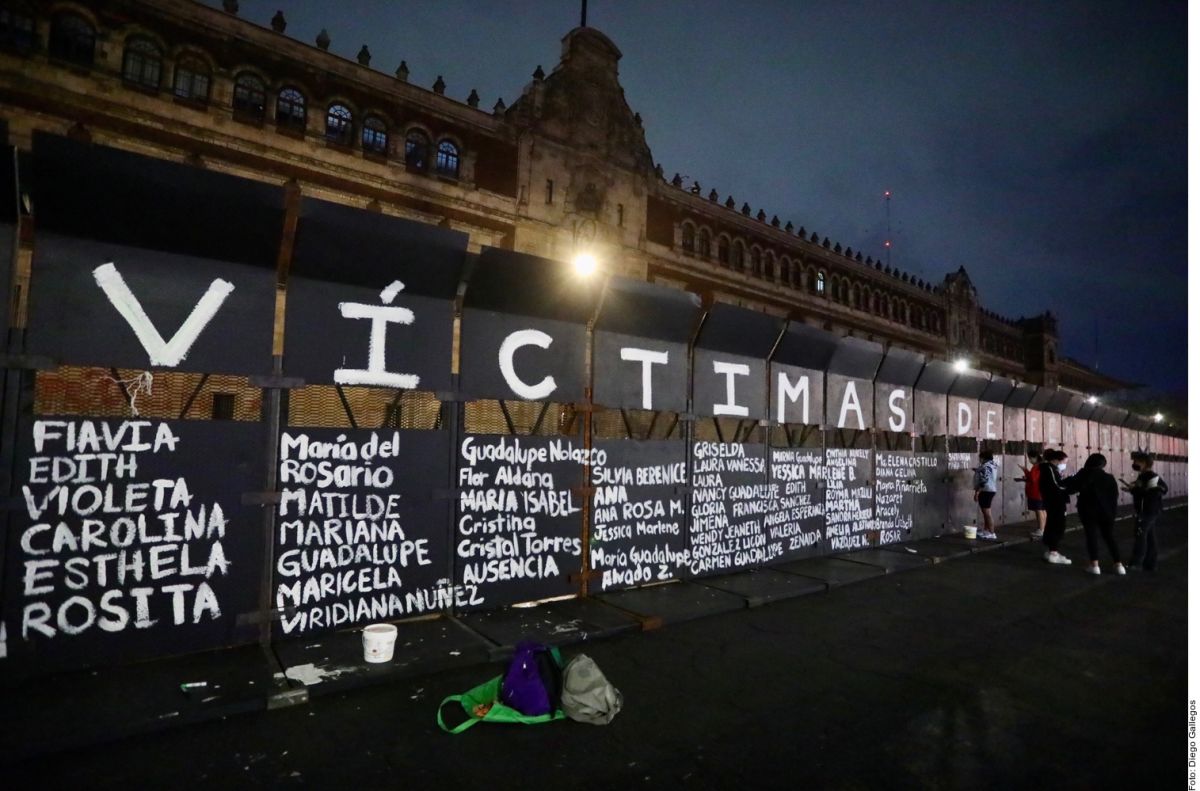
point(969, 531)
point(379, 642)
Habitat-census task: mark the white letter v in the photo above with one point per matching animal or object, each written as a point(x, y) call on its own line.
point(161, 352)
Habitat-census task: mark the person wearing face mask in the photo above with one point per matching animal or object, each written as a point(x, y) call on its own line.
point(1147, 490)
point(1054, 499)
point(1097, 504)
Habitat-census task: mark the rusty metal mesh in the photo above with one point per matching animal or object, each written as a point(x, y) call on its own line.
point(635, 424)
point(536, 418)
point(101, 392)
point(372, 407)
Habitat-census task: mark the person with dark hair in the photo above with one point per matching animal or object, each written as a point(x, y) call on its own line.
point(1097, 504)
point(1055, 499)
point(1033, 495)
point(1147, 490)
point(987, 475)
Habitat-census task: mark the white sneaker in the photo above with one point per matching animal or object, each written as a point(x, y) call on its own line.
point(1035, 534)
point(1119, 570)
point(1093, 570)
point(987, 534)
point(1058, 559)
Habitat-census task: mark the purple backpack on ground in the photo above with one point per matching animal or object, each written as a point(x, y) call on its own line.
point(533, 682)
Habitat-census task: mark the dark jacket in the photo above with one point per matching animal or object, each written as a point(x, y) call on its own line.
point(1148, 490)
point(1054, 496)
point(1097, 492)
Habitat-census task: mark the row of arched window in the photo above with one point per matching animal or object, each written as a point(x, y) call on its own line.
point(73, 40)
point(733, 254)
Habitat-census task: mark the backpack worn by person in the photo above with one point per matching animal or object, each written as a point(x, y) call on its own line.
point(587, 696)
point(528, 693)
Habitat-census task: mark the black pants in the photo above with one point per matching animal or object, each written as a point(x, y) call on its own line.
point(1099, 525)
point(1056, 525)
point(1145, 547)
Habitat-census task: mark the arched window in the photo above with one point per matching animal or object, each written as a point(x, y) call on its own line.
point(811, 280)
point(374, 135)
point(291, 109)
point(820, 282)
point(73, 39)
point(755, 262)
point(739, 256)
point(416, 150)
point(191, 79)
point(339, 124)
point(689, 238)
point(142, 65)
point(249, 96)
point(447, 159)
point(769, 270)
point(723, 250)
point(786, 272)
point(705, 244)
point(16, 29)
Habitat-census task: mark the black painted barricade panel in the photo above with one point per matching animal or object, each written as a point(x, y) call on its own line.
point(856, 358)
point(1014, 424)
point(849, 402)
point(640, 346)
point(526, 492)
point(797, 386)
point(1041, 397)
point(796, 513)
point(729, 362)
point(524, 328)
point(159, 265)
point(125, 199)
point(960, 472)
point(1011, 503)
point(363, 528)
point(849, 499)
point(142, 547)
point(638, 518)
point(730, 500)
point(370, 299)
point(998, 390)
point(177, 312)
point(896, 486)
point(930, 495)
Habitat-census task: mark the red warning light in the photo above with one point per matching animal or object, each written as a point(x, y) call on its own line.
point(888, 243)
point(887, 194)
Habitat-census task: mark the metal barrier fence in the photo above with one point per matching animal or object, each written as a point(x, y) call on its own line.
point(234, 414)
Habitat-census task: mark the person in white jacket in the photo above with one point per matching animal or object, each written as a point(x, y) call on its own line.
point(987, 474)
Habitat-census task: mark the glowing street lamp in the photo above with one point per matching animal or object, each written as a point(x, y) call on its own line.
point(961, 365)
point(585, 264)
point(1093, 400)
point(1158, 417)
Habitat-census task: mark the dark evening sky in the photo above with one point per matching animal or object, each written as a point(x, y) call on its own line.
point(1040, 145)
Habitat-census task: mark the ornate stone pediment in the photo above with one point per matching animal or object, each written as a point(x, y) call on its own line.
point(582, 103)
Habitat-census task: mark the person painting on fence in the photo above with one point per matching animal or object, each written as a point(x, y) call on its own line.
point(1147, 490)
point(1033, 495)
point(1097, 505)
point(1054, 497)
point(987, 474)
